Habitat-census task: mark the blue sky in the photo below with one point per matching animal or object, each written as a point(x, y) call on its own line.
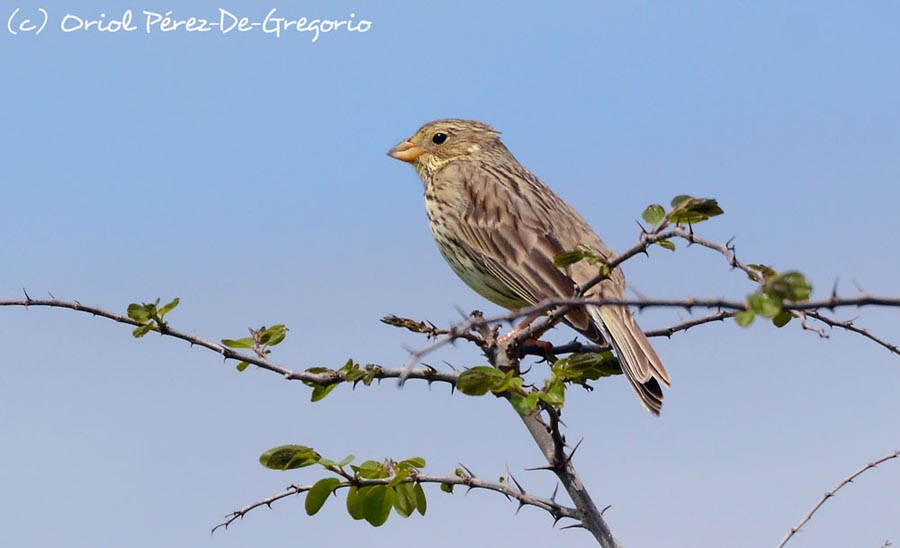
point(246, 174)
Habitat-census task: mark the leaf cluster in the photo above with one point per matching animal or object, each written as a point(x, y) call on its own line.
point(373, 503)
point(260, 341)
point(774, 291)
point(578, 368)
point(686, 210)
point(350, 371)
point(150, 315)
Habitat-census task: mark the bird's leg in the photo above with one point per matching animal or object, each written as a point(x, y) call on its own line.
point(514, 332)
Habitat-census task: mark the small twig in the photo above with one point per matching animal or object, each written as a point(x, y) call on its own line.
point(848, 325)
point(729, 307)
point(829, 494)
point(667, 332)
point(324, 379)
point(558, 511)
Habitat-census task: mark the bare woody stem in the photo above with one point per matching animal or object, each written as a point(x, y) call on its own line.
point(550, 441)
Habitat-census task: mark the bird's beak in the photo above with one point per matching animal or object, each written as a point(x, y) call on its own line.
point(407, 151)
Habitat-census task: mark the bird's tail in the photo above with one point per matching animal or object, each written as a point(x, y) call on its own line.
point(642, 367)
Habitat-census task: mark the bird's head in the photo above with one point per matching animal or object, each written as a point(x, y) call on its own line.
point(442, 141)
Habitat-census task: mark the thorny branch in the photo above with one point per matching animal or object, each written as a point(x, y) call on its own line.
point(547, 433)
point(511, 490)
point(550, 440)
point(558, 307)
point(849, 479)
point(327, 378)
point(810, 308)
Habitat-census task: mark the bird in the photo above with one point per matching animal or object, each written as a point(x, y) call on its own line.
point(500, 227)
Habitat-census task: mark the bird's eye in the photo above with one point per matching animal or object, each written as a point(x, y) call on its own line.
point(439, 138)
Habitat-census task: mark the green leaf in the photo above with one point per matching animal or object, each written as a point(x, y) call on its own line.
point(554, 394)
point(680, 199)
point(567, 258)
point(356, 496)
point(580, 253)
point(654, 214)
point(509, 382)
point(368, 465)
point(764, 305)
point(744, 317)
point(246, 342)
point(604, 270)
point(138, 312)
point(319, 493)
point(782, 319)
point(287, 457)
point(405, 499)
point(377, 504)
point(524, 405)
point(764, 270)
point(447, 487)
point(273, 335)
point(142, 330)
point(168, 307)
point(319, 391)
point(399, 476)
point(345, 461)
point(415, 462)
point(666, 244)
point(477, 381)
point(371, 469)
point(421, 503)
point(799, 287)
point(688, 210)
point(241, 366)
point(588, 366)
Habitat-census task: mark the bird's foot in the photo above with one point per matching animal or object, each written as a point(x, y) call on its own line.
point(514, 332)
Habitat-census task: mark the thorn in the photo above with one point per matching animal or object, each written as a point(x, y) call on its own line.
point(859, 287)
point(466, 468)
point(556, 518)
point(573, 526)
point(555, 491)
point(608, 506)
point(518, 485)
point(27, 296)
point(834, 289)
point(521, 504)
point(539, 468)
point(572, 454)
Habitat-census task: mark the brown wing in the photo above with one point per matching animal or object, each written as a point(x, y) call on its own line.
point(513, 225)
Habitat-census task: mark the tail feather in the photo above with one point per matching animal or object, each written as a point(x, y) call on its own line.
point(640, 363)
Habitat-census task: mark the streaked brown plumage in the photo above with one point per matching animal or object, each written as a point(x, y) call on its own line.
point(500, 227)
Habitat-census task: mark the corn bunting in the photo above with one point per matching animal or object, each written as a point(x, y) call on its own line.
point(499, 227)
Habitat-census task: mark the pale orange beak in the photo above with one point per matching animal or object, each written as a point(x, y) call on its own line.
point(407, 151)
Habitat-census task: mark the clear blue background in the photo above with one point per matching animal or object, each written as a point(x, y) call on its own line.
point(247, 175)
